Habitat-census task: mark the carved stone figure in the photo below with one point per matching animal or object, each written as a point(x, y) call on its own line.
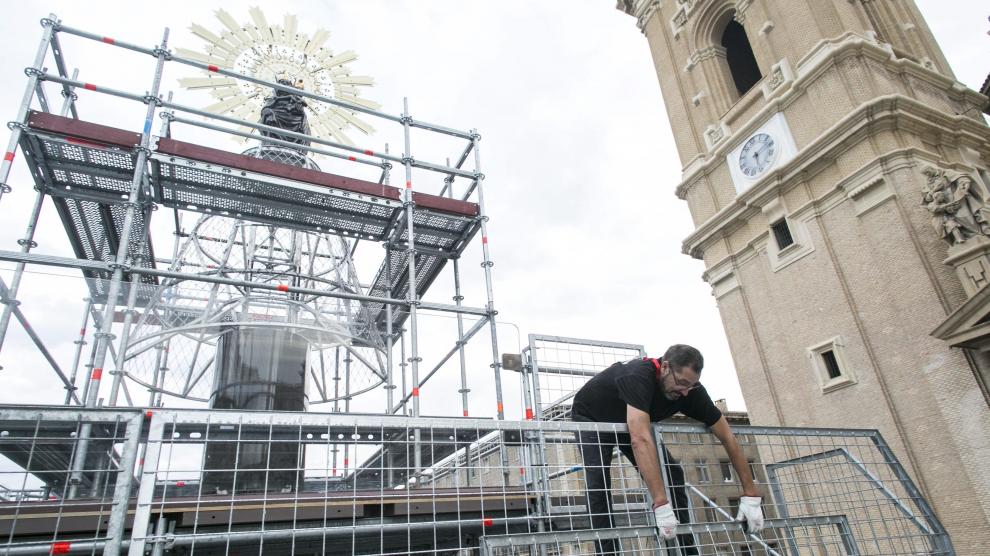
point(287, 111)
point(958, 206)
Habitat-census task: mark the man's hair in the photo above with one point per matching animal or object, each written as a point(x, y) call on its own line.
point(679, 356)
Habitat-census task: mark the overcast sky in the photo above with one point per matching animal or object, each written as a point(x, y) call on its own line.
point(579, 159)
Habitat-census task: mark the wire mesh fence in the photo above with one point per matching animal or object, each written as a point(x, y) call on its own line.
point(224, 482)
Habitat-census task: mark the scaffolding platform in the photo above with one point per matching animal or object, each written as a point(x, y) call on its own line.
point(88, 169)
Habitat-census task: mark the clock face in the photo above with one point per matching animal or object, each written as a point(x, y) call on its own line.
point(757, 154)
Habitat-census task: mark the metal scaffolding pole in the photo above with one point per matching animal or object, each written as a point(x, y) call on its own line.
point(118, 371)
point(389, 332)
point(27, 242)
point(77, 353)
point(458, 298)
point(15, 136)
point(488, 264)
point(412, 295)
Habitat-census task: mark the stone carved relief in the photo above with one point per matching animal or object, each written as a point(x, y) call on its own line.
point(776, 79)
point(714, 134)
point(959, 207)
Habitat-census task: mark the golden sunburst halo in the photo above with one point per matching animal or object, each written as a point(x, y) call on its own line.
point(265, 51)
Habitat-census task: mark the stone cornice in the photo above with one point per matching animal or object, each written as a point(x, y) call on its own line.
point(817, 61)
point(642, 10)
point(888, 112)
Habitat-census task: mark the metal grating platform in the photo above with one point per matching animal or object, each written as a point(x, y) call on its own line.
point(89, 167)
point(88, 183)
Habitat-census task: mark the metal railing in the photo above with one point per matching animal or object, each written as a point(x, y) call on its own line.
point(225, 482)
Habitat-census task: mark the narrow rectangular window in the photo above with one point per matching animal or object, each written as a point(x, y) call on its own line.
point(831, 364)
point(703, 476)
point(726, 468)
point(753, 467)
point(782, 233)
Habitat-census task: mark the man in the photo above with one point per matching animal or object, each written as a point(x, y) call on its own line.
point(638, 393)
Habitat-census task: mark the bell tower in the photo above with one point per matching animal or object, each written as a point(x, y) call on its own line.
point(837, 177)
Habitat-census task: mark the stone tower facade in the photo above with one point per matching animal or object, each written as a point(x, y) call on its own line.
point(837, 176)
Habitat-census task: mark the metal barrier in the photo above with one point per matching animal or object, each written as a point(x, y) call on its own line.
point(166, 490)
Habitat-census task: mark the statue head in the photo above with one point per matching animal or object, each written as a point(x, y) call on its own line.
point(932, 173)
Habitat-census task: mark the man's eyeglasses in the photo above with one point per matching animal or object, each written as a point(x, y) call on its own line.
point(683, 382)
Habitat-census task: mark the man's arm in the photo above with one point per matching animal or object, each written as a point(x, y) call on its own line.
point(645, 450)
point(723, 432)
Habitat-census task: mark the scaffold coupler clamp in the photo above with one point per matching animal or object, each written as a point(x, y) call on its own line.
point(162, 52)
point(152, 99)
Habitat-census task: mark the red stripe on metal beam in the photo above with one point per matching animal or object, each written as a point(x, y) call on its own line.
point(529, 414)
point(8, 155)
point(408, 184)
point(97, 373)
point(465, 413)
point(282, 288)
point(89, 86)
point(212, 68)
point(488, 522)
point(500, 409)
point(180, 483)
point(345, 462)
point(61, 547)
point(369, 152)
point(148, 414)
point(484, 239)
point(108, 40)
point(352, 158)
point(415, 391)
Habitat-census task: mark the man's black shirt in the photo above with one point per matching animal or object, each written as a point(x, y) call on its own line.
point(604, 398)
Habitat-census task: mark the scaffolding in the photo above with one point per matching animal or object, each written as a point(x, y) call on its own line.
point(266, 279)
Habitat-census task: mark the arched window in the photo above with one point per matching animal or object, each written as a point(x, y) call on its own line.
point(739, 54)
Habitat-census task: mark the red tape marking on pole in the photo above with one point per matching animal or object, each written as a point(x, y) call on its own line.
point(369, 152)
point(89, 86)
point(352, 158)
point(500, 408)
point(8, 155)
point(488, 522)
point(108, 40)
point(484, 239)
point(465, 413)
point(408, 184)
point(180, 483)
point(97, 373)
point(415, 391)
point(345, 462)
point(212, 68)
point(529, 414)
point(282, 288)
point(61, 547)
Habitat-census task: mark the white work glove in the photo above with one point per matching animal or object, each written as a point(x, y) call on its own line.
point(751, 512)
point(666, 522)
